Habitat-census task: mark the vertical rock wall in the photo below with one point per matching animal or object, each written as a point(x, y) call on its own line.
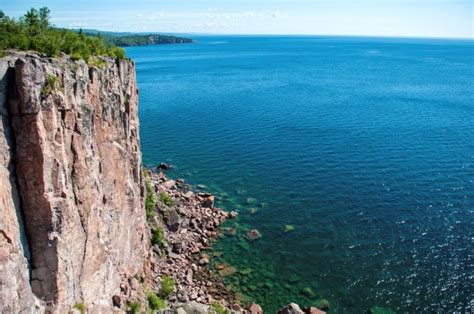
point(70, 175)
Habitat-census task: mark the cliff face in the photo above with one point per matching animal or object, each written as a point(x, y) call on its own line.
point(72, 222)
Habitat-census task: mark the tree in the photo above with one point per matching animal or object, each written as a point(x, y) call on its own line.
point(33, 31)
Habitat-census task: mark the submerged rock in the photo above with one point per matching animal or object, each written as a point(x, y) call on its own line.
point(251, 210)
point(289, 228)
point(381, 310)
point(253, 234)
point(291, 308)
point(322, 304)
point(164, 166)
point(227, 271)
point(229, 231)
point(308, 292)
point(251, 200)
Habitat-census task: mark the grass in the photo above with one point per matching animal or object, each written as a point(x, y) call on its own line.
point(155, 303)
point(167, 286)
point(80, 307)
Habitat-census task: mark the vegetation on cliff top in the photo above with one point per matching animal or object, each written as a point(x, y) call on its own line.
point(129, 39)
point(33, 31)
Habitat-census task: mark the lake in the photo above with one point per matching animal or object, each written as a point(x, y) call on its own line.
point(353, 157)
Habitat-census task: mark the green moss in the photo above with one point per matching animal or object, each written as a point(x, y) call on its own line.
point(218, 308)
point(167, 286)
point(155, 302)
point(80, 307)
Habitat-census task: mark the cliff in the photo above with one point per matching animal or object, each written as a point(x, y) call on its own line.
point(72, 222)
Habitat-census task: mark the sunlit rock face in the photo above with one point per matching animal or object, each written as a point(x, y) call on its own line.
point(72, 221)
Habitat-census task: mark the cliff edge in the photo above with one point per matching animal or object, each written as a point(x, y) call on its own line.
point(72, 222)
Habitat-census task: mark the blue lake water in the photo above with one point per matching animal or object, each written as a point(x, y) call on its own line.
point(364, 145)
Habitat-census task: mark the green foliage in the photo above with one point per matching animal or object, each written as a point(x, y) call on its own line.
point(134, 307)
point(96, 62)
point(165, 199)
point(158, 237)
point(149, 199)
point(155, 302)
point(80, 307)
point(33, 31)
point(167, 286)
point(51, 84)
point(219, 309)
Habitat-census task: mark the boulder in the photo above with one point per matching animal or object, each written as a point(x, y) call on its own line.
point(172, 219)
point(164, 166)
point(314, 310)
point(116, 301)
point(255, 309)
point(193, 307)
point(291, 308)
point(207, 201)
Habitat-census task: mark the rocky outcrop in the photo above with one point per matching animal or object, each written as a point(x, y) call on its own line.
point(72, 222)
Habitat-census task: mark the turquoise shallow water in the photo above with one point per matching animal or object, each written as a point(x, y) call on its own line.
point(364, 145)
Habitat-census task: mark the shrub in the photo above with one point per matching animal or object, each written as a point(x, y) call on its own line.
point(218, 308)
point(155, 302)
point(149, 199)
point(134, 307)
point(80, 307)
point(165, 199)
point(139, 277)
point(51, 84)
point(158, 237)
point(167, 286)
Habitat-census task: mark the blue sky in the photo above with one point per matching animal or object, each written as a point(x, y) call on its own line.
point(417, 18)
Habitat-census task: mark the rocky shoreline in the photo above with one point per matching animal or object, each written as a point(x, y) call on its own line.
point(188, 222)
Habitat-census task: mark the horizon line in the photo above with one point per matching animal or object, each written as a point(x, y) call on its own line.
point(275, 34)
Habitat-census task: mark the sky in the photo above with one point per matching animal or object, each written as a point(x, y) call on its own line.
point(405, 18)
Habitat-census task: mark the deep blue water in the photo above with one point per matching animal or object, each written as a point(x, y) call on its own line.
point(364, 145)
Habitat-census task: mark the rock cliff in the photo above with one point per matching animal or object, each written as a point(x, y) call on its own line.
point(72, 222)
